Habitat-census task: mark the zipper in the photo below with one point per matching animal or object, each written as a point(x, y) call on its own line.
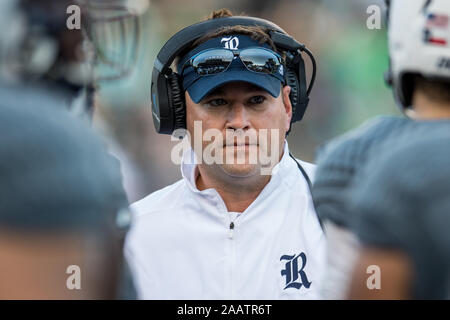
point(231, 230)
point(233, 258)
point(232, 241)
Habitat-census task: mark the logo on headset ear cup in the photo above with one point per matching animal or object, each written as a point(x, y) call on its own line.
point(292, 81)
point(177, 101)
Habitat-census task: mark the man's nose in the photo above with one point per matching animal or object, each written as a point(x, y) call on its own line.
point(238, 117)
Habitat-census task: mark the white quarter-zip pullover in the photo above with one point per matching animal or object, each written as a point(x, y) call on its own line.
point(184, 244)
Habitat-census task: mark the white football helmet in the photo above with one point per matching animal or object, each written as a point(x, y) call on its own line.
point(419, 44)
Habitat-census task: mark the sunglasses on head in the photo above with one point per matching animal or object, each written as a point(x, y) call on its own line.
point(214, 61)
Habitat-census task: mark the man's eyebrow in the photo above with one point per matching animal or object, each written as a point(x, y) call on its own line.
point(253, 87)
point(220, 92)
point(213, 93)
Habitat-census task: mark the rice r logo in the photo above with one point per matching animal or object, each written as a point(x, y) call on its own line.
point(231, 43)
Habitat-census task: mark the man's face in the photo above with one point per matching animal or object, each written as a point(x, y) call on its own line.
point(243, 109)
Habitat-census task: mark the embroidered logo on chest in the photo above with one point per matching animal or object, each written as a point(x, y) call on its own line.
point(294, 271)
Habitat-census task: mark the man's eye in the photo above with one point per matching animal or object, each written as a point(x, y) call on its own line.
point(217, 102)
point(256, 99)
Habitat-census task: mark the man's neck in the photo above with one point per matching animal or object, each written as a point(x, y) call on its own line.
point(428, 109)
point(237, 195)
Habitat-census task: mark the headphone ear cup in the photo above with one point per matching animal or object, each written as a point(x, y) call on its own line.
point(177, 101)
point(292, 81)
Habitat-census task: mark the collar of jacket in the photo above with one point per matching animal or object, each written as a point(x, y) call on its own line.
point(284, 172)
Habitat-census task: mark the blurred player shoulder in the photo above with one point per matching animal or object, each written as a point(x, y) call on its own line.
point(403, 204)
point(360, 138)
point(339, 160)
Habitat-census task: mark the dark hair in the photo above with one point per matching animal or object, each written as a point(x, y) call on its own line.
point(256, 33)
point(259, 34)
point(434, 89)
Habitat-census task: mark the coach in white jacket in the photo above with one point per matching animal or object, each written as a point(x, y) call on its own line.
point(228, 230)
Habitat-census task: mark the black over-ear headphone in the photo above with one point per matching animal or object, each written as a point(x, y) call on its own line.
point(167, 94)
point(388, 77)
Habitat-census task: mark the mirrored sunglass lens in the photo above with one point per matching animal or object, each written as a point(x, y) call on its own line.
point(261, 61)
point(212, 62)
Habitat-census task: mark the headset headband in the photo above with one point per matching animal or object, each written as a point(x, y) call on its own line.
point(168, 105)
point(184, 38)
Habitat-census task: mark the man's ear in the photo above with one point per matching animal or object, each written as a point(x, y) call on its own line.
point(286, 90)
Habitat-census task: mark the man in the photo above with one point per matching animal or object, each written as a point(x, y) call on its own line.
point(43, 54)
point(339, 162)
point(422, 91)
point(63, 211)
point(45, 67)
point(228, 230)
point(403, 219)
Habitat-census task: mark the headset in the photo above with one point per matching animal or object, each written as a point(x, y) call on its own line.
point(167, 94)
